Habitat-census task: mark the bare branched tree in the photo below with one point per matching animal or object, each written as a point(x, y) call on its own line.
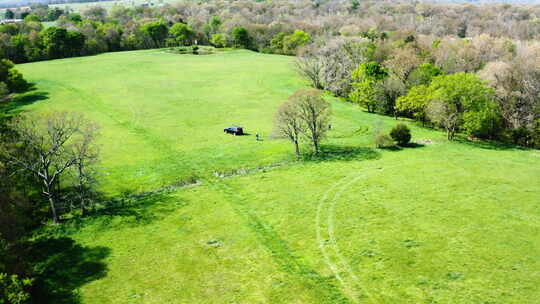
point(86, 154)
point(288, 123)
point(315, 113)
point(517, 87)
point(310, 67)
point(47, 146)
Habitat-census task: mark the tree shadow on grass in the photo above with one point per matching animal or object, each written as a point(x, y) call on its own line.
point(411, 145)
point(61, 266)
point(414, 145)
point(489, 145)
point(13, 107)
point(128, 210)
point(342, 153)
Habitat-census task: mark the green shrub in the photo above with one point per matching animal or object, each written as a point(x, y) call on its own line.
point(14, 289)
point(401, 134)
point(16, 82)
point(383, 140)
point(219, 40)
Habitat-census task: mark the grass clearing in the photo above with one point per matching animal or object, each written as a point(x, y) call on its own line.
point(443, 222)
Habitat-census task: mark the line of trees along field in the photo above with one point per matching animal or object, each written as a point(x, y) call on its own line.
point(472, 70)
point(266, 26)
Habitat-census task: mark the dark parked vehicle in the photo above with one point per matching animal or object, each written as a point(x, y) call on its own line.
point(234, 130)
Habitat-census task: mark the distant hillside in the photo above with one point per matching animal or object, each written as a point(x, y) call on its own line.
point(22, 3)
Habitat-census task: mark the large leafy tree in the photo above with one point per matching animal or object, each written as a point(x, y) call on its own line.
point(463, 100)
point(455, 102)
point(10, 78)
point(294, 41)
point(414, 104)
point(182, 34)
point(157, 31)
point(240, 37)
point(54, 42)
point(365, 80)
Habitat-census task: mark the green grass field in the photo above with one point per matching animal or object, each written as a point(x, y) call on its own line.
point(443, 222)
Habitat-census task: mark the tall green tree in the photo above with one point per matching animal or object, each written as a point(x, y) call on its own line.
point(54, 42)
point(292, 42)
point(212, 27)
point(414, 104)
point(366, 78)
point(241, 38)
point(9, 14)
point(182, 34)
point(157, 31)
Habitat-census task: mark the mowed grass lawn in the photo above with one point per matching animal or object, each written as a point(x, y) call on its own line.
point(443, 222)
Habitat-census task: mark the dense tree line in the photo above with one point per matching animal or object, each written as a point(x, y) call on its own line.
point(267, 26)
point(481, 86)
point(47, 169)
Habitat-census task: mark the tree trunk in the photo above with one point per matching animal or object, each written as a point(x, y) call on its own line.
point(53, 206)
point(296, 148)
point(83, 213)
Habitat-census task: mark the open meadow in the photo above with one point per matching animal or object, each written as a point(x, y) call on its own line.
point(205, 217)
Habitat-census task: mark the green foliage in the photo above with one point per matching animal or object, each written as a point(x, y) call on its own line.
point(365, 79)
point(401, 134)
point(372, 71)
point(74, 43)
point(458, 101)
point(483, 122)
point(157, 31)
point(182, 34)
point(13, 289)
point(292, 42)
point(469, 99)
point(276, 44)
point(355, 4)
point(75, 17)
point(59, 42)
point(54, 13)
point(11, 77)
point(241, 38)
point(213, 26)
point(371, 34)
point(415, 102)
point(9, 14)
point(424, 73)
point(15, 81)
point(383, 140)
point(32, 18)
point(54, 42)
point(462, 30)
point(219, 40)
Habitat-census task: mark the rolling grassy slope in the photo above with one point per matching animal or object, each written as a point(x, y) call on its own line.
point(444, 222)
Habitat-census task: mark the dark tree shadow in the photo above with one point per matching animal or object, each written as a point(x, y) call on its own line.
point(13, 107)
point(414, 145)
point(489, 145)
point(61, 266)
point(342, 153)
point(411, 145)
point(129, 209)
